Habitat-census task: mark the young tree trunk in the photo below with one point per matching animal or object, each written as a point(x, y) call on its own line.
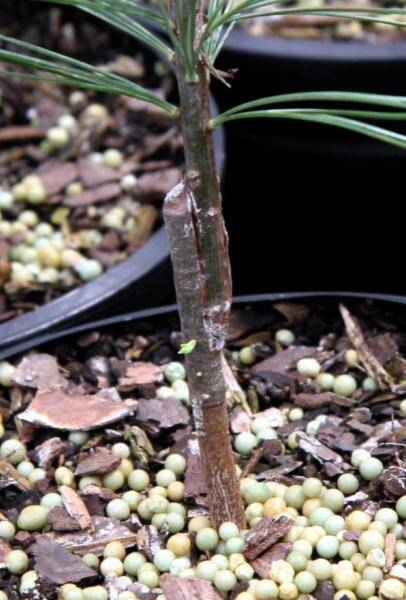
point(199, 249)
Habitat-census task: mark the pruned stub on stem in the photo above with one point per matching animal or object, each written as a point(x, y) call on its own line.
point(199, 251)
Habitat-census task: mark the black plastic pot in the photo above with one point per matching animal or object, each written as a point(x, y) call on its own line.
point(272, 65)
point(142, 280)
point(304, 194)
point(124, 321)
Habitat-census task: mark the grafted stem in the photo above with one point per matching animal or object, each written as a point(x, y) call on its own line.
point(199, 249)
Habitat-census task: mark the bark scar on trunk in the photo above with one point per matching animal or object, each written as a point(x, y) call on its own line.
point(181, 202)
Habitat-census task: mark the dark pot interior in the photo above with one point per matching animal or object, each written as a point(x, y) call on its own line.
point(310, 206)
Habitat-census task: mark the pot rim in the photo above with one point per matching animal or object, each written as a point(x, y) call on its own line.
point(170, 308)
point(320, 51)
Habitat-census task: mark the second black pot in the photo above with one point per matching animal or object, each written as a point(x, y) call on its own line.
point(269, 65)
point(152, 315)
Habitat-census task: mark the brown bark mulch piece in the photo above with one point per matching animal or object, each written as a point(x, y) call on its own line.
point(372, 365)
point(92, 196)
point(177, 588)
point(98, 463)
point(313, 401)
point(5, 550)
point(10, 477)
point(60, 520)
point(390, 543)
point(140, 374)
point(282, 361)
point(156, 415)
point(318, 450)
point(56, 176)
point(20, 133)
point(46, 453)
point(149, 541)
point(263, 562)
point(75, 507)
point(155, 185)
point(39, 370)
point(80, 411)
point(264, 534)
point(93, 175)
point(105, 530)
point(57, 564)
point(324, 591)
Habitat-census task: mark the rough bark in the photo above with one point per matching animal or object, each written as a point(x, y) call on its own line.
point(199, 250)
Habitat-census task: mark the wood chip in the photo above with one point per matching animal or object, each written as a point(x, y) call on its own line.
point(44, 454)
point(313, 401)
point(148, 541)
point(192, 588)
point(75, 507)
point(59, 520)
point(94, 195)
point(319, 451)
point(105, 530)
point(10, 477)
point(93, 175)
point(195, 484)
point(5, 550)
point(371, 364)
point(262, 563)
point(154, 186)
point(98, 463)
point(264, 534)
point(23, 133)
point(140, 374)
point(156, 414)
point(56, 175)
point(361, 427)
point(100, 492)
point(240, 420)
point(282, 361)
point(383, 347)
point(390, 543)
point(57, 564)
point(80, 411)
point(293, 313)
point(39, 371)
point(324, 591)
